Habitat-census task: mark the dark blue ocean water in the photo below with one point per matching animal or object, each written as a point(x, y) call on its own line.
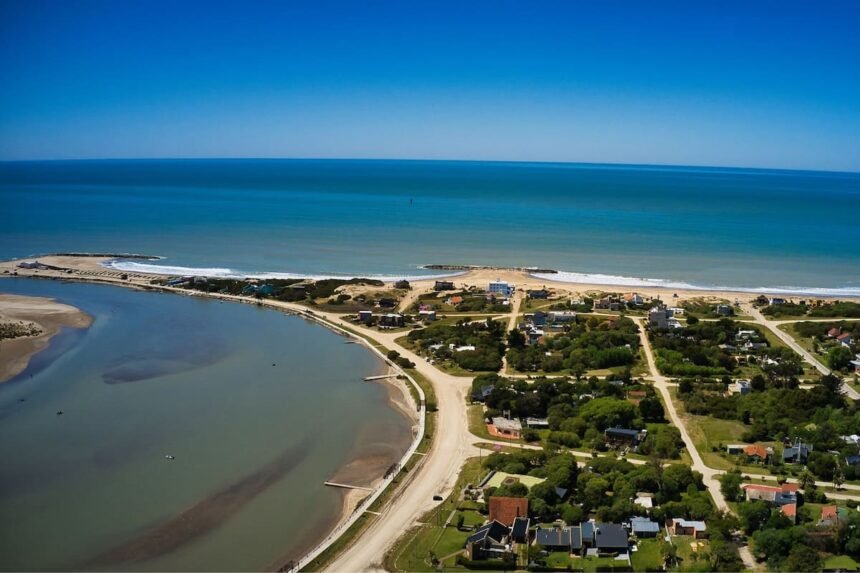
point(701, 226)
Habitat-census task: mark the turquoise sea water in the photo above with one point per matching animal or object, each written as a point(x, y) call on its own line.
point(258, 408)
point(701, 226)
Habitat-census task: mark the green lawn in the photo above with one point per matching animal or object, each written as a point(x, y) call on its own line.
point(841, 562)
point(690, 550)
point(412, 551)
point(647, 555)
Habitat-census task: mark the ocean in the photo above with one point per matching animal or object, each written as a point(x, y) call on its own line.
point(745, 229)
point(257, 407)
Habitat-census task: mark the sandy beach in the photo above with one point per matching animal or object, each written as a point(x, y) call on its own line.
point(91, 268)
point(46, 315)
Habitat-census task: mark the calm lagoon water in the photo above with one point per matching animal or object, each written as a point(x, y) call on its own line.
point(742, 228)
point(258, 408)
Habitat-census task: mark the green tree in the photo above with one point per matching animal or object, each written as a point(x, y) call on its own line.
point(730, 485)
point(802, 558)
point(839, 357)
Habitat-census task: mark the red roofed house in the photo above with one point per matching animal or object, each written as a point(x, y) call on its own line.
point(785, 494)
point(832, 515)
point(790, 511)
point(845, 339)
point(506, 509)
point(834, 332)
point(758, 452)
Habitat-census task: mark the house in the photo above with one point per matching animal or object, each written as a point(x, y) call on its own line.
point(555, 538)
point(610, 538)
point(832, 515)
point(784, 494)
point(454, 300)
point(735, 449)
point(506, 509)
point(30, 265)
point(537, 423)
point(696, 529)
point(402, 284)
point(797, 453)
point(561, 316)
point(443, 285)
point(852, 439)
point(482, 394)
point(391, 320)
point(387, 302)
point(845, 339)
point(758, 453)
point(498, 479)
point(852, 460)
point(623, 436)
point(724, 310)
point(464, 348)
point(488, 541)
point(658, 317)
point(634, 298)
point(500, 287)
point(365, 316)
point(740, 387)
point(538, 294)
point(534, 336)
point(508, 428)
point(520, 530)
point(790, 511)
point(643, 527)
point(427, 315)
point(834, 332)
point(539, 318)
point(677, 310)
point(777, 300)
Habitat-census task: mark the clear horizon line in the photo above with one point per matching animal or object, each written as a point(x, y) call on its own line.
point(422, 160)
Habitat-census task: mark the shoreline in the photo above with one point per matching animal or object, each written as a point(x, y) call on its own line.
point(129, 264)
point(354, 504)
point(101, 268)
point(47, 314)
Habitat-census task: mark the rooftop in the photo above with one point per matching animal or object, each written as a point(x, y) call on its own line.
point(506, 509)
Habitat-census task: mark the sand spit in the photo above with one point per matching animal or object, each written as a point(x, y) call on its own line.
point(47, 315)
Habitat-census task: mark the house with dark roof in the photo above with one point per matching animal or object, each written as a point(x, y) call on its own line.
point(852, 460)
point(443, 285)
point(555, 538)
point(643, 527)
point(623, 436)
point(489, 541)
point(482, 394)
point(520, 530)
point(797, 453)
point(506, 509)
point(610, 538)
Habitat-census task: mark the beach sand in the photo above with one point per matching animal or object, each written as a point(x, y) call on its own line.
point(48, 314)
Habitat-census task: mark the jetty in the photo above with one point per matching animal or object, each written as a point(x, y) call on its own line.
point(380, 377)
point(346, 486)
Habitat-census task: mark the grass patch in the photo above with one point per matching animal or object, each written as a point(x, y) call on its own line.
point(413, 551)
point(841, 562)
point(647, 556)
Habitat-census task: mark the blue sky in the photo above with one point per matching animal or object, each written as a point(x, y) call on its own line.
point(759, 84)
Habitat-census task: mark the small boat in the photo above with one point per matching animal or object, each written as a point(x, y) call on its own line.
point(169, 457)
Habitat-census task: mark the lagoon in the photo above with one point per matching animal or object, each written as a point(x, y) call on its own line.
point(257, 407)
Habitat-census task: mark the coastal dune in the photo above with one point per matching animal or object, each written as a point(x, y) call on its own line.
point(47, 315)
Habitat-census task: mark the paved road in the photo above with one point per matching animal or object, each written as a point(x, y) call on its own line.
point(759, 318)
point(709, 475)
